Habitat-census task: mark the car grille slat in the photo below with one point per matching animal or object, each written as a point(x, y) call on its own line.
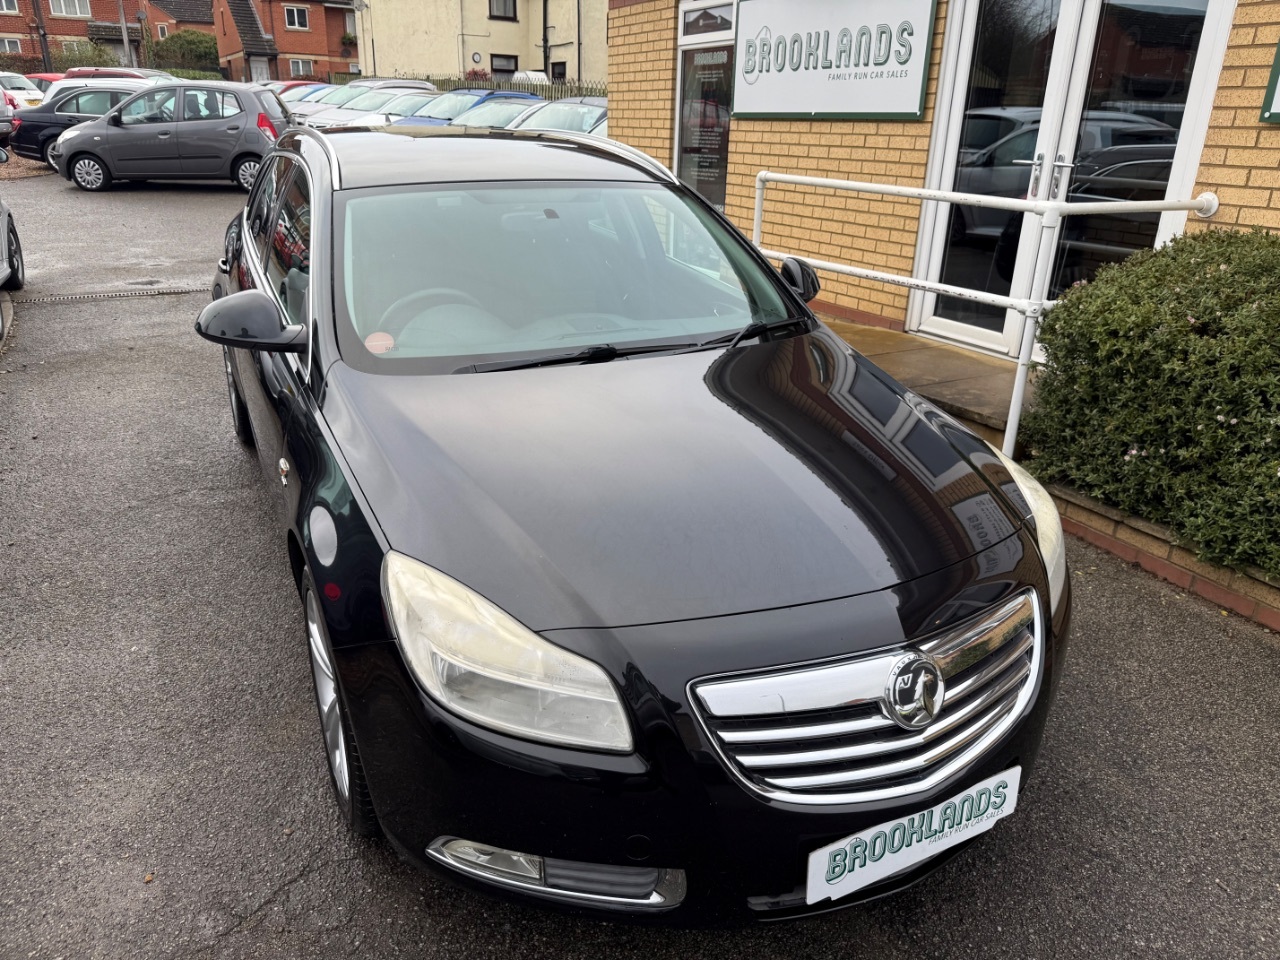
point(838, 742)
point(941, 727)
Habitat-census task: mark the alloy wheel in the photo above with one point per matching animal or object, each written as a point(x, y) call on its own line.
point(246, 173)
point(231, 388)
point(88, 174)
point(17, 268)
point(327, 699)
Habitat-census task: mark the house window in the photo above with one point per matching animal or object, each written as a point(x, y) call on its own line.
point(353, 68)
point(8, 6)
point(502, 9)
point(301, 68)
point(69, 8)
point(349, 23)
point(503, 67)
point(559, 70)
point(76, 46)
point(162, 30)
point(10, 44)
point(296, 18)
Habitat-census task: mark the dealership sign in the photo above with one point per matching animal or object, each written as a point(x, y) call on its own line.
point(832, 58)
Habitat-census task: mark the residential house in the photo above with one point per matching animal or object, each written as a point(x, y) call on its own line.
point(566, 38)
point(69, 23)
point(169, 16)
point(274, 40)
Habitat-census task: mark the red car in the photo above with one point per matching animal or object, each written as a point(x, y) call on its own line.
point(44, 80)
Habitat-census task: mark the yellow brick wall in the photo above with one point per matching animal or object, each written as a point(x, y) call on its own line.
point(1241, 159)
point(642, 75)
point(857, 229)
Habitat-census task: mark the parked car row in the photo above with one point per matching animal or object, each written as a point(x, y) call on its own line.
point(95, 127)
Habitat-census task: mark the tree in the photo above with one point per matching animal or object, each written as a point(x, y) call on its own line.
point(190, 49)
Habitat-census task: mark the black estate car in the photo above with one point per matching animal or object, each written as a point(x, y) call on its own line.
point(628, 586)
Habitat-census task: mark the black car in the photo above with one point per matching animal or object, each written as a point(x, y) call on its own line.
point(37, 128)
point(628, 586)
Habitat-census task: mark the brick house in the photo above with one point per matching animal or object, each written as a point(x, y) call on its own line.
point(68, 23)
point(274, 40)
point(169, 16)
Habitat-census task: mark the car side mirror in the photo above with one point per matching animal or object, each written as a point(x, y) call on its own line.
point(250, 320)
point(800, 277)
point(114, 120)
point(4, 155)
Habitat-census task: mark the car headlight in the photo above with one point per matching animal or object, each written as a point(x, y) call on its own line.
point(1040, 508)
point(68, 134)
point(482, 664)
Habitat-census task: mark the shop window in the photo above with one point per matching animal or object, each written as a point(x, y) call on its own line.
point(502, 9)
point(297, 18)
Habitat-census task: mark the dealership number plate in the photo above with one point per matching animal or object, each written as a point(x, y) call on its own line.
point(850, 864)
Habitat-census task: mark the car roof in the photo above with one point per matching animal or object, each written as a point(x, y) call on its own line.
point(448, 154)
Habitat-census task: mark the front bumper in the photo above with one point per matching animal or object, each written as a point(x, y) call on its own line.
point(673, 805)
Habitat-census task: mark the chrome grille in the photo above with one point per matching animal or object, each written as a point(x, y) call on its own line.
point(821, 733)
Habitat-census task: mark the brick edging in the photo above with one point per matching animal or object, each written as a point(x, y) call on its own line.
point(1250, 593)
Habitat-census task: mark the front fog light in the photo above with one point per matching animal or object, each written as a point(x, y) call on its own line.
point(599, 884)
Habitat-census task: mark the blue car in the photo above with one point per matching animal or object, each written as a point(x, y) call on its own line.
point(453, 104)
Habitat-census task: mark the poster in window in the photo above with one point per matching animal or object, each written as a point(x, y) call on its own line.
point(706, 95)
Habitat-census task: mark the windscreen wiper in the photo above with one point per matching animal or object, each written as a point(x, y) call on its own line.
point(756, 328)
point(601, 353)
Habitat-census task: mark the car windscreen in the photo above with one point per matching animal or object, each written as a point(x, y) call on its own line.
point(371, 101)
point(575, 117)
point(317, 94)
point(448, 105)
point(492, 113)
point(17, 83)
point(434, 278)
point(342, 95)
point(406, 103)
point(297, 93)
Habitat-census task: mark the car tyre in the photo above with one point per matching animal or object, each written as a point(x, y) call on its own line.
point(89, 173)
point(346, 774)
point(239, 413)
point(45, 152)
point(17, 266)
point(245, 172)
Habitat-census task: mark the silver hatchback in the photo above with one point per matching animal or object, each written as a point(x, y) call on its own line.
point(195, 130)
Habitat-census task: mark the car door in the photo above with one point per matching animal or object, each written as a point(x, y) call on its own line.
point(211, 124)
point(145, 142)
point(270, 382)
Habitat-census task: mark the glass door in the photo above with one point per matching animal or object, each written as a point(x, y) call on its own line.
point(704, 96)
point(1063, 99)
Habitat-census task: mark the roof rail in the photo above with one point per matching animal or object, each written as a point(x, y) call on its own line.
point(311, 133)
point(622, 149)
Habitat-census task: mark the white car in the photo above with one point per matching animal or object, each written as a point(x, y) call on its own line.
point(26, 92)
point(59, 87)
point(373, 109)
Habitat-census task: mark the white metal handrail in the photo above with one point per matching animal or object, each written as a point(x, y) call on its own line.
point(1034, 306)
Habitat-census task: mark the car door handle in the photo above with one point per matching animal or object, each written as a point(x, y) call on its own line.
point(162, 134)
point(233, 129)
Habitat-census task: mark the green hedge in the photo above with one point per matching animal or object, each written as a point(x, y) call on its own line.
point(193, 74)
point(1161, 390)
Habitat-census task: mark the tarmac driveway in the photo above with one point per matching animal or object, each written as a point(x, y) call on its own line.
point(162, 784)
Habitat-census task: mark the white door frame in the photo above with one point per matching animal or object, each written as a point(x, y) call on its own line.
point(698, 42)
point(1065, 91)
